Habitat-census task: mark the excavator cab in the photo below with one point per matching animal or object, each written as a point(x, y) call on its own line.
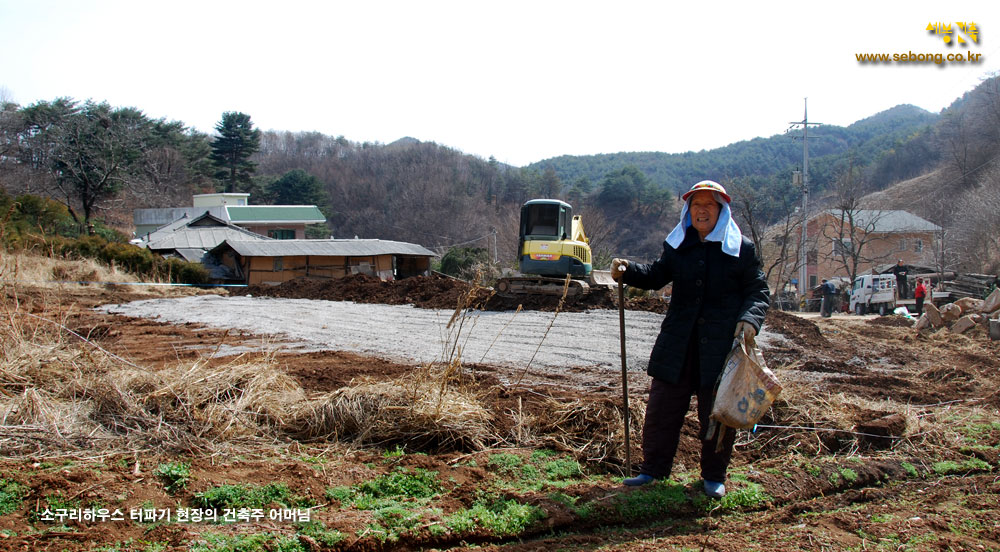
point(552, 242)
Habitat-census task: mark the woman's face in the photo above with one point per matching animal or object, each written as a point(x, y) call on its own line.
point(704, 212)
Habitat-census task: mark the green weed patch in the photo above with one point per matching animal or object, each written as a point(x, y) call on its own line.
point(503, 517)
point(401, 483)
point(269, 542)
point(174, 475)
point(544, 468)
point(11, 493)
point(318, 531)
point(949, 467)
point(249, 496)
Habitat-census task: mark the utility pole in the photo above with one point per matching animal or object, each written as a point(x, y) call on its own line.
point(496, 259)
point(804, 268)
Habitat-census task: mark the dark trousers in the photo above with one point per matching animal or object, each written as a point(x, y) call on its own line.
point(661, 431)
point(920, 306)
point(827, 305)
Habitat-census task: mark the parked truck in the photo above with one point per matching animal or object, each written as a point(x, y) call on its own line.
point(874, 293)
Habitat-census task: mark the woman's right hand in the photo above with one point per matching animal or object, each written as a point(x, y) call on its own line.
point(618, 268)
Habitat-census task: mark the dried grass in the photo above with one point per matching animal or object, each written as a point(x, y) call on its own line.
point(238, 399)
point(417, 409)
point(435, 406)
point(830, 421)
point(591, 429)
point(47, 272)
point(59, 390)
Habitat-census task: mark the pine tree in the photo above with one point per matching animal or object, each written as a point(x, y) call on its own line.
point(232, 148)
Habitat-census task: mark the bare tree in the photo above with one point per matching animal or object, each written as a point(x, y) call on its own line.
point(957, 139)
point(855, 229)
point(987, 108)
point(600, 232)
point(748, 208)
point(975, 232)
point(780, 250)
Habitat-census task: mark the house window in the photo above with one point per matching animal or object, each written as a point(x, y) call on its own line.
point(842, 247)
point(902, 244)
point(918, 245)
point(812, 281)
point(811, 256)
point(281, 234)
point(278, 264)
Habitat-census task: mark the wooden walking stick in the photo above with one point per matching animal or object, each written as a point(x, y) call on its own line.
point(621, 324)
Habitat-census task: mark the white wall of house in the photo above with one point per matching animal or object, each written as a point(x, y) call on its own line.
point(215, 200)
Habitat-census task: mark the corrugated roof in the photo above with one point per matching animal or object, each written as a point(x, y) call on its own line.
point(888, 220)
point(330, 248)
point(181, 222)
point(201, 238)
point(185, 233)
point(191, 255)
point(242, 214)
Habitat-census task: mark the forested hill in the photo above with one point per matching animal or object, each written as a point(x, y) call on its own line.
point(868, 140)
point(437, 196)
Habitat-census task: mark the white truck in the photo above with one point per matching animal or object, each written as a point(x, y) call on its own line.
point(874, 293)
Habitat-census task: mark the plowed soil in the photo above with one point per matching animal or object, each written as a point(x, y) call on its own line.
point(832, 454)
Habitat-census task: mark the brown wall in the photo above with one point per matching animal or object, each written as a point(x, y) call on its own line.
point(275, 270)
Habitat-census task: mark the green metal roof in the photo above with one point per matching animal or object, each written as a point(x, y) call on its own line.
point(277, 213)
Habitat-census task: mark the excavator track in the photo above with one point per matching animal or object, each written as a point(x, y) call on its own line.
point(540, 285)
point(548, 285)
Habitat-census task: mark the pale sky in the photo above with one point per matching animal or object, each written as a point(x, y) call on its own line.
point(520, 80)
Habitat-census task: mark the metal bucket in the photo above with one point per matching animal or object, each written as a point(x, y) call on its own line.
point(995, 329)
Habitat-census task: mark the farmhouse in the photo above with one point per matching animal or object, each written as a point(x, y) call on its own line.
point(276, 261)
point(836, 238)
point(236, 255)
point(276, 221)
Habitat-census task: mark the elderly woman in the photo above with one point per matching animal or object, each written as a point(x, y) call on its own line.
point(719, 291)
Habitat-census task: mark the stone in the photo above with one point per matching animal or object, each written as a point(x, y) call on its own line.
point(951, 312)
point(969, 304)
point(992, 302)
point(923, 322)
point(933, 315)
point(964, 324)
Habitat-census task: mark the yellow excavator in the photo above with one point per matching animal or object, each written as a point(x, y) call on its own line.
point(552, 244)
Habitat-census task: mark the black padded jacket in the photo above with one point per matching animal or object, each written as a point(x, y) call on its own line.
point(712, 291)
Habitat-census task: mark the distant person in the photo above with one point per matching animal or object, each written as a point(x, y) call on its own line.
point(719, 291)
point(902, 286)
point(829, 291)
point(919, 293)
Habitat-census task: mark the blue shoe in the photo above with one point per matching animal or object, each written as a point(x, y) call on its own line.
point(641, 479)
point(714, 489)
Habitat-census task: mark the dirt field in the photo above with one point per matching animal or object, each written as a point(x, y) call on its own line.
point(883, 438)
